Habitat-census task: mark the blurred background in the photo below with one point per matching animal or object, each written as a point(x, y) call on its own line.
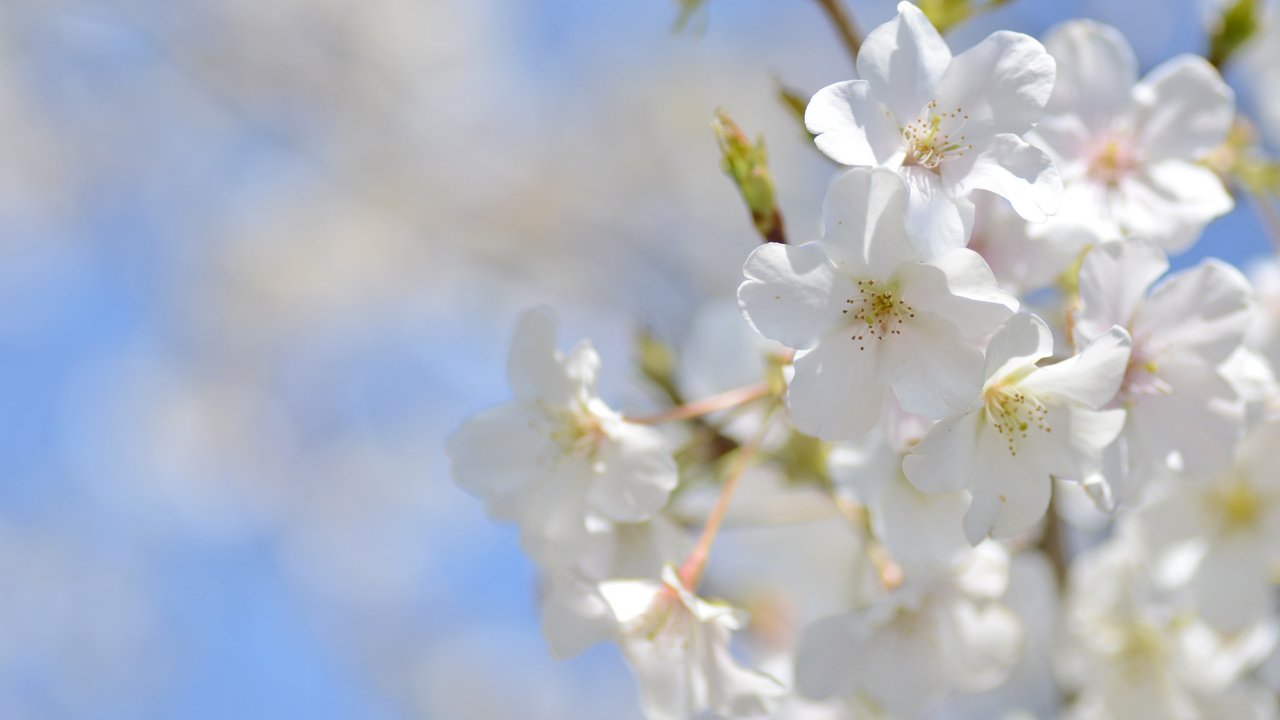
point(259, 257)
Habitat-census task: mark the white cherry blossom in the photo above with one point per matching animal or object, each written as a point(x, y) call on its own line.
point(868, 312)
point(948, 125)
point(556, 455)
point(1028, 424)
point(677, 645)
point(1183, 412)
point(1025, 256)
point(940, 632)
point(1222, 535)
point(1128, 149)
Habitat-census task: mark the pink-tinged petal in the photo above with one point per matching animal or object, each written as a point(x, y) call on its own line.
point(527, 452)
point(959, 287)
point(864, 216)
point(636, 474)
point(852, 128)
point(932, 369)
point(1183, 110)
point(537, 372)
point(1000, 85)
point(792, 294)
point(1114, 278)
point(943, 460)
point(1096, 72)
point(834, 394)
point(1202, 312)
point(1022, 340)
point(903, 60)
point(1012, 168)
point(936, 222)
point(1009, 494)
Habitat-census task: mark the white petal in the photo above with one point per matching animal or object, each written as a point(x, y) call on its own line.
point(903, 60)
point(1113, 281)
point(982, 644)
point(1012, 168)
point(943, 460)
point(931, 368)
point(863, 220)
point(1091, 377)
point(958, 286)
point(920, 529)
point(526, 454)
point(1203, 311)
point(834, 394)
point(1183, 109)
point(1022, 340)
point(638, 474)
point(1000, 85)
point(1198, 419)
point(1096, 71)
point(1009, 495)
point(790, 292)
point(852, 128)
point(936, 223)
point(574, 616)
point(1232, 587)
point(537, 372)
point(1171, 202)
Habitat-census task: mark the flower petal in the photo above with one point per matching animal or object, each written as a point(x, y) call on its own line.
point(1009, 496)
point(638, 474)
point(1090, 377)
point(1183, 109)
point(825, 656)
point(852, 128)
point(1202, 312)
point(1114, 278)
point(943, 460)
point(932, 369)
point(863, 217)
point(1022, 340)
point(790, 293)
point(959, 287)
point(1170, 202)
point(537, 372)
point(527, 454)
point(903, 60)
point(936, 222)
point(1012, 168)
point(1096, 72)
point(834, 394)
point(1000, 85)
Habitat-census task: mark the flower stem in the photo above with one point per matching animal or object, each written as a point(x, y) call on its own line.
point(844, 25)
point(698, 408)
point(696, 561)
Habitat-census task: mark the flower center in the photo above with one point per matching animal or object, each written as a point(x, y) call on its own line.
point(877, 312)
point(1237, 504)
point(1112, 161)
point(1013, 413)
point(929, 143)
point(576, 430)
point(1140, 376)
point(1142, 647)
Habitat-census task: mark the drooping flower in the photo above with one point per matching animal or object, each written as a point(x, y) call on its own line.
point(868, 312)
point(1222, 534)
point(556, 455)
point(1029, 423)
point(942, 631)
point(948, 125)
point(677, 645)
point(1183, 413)
point(1128, 150)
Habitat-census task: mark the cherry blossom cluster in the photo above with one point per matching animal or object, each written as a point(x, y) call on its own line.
point(1024, 470)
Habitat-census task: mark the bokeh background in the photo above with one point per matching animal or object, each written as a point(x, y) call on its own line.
point(259, 257)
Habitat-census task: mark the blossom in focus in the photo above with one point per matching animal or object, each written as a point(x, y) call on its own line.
point(868, 312)
point(1029, 423)
point(942, 631)
point(556, 456)
point(1128, 149)
point(1183, 412)
point(948, 125)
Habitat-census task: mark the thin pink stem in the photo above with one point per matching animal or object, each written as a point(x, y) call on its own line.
point(698, 408)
